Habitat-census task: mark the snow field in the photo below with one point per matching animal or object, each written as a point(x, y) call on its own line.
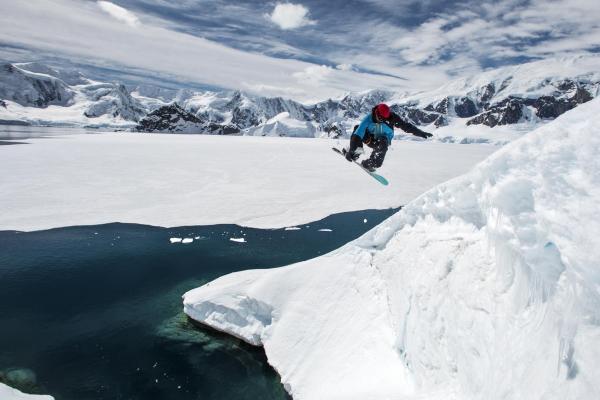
point(485, 287)
point(182, 180)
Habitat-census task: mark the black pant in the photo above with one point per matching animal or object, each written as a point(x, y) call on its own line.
point(379, 146)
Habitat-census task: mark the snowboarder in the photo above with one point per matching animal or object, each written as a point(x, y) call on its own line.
point(377, 131)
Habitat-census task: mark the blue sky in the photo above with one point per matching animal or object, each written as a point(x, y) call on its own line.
point(306, 49)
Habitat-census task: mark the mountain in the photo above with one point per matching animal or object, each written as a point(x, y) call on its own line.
point(484, 287)
point(521, 97)
point(174, 119)
point(532, 92)
point(31, 89)
point(37, 94)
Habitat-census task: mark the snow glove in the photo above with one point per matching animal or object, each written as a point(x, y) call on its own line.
point(424, 135)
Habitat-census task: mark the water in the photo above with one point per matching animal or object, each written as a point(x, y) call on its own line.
point(95, 312)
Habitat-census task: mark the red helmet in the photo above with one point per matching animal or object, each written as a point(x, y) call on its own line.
point(382, 110)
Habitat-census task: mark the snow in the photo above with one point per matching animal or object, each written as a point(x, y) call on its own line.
point(485, 287)
point(187, 240)
point(8, 393)
point(239, 240)
point(183, 180)
point(284, 125)
point(175, 240)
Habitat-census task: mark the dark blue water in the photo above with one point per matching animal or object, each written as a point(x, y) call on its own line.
point(94, 312)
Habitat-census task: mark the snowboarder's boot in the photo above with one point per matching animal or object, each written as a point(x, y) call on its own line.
point(355, 154)
point(368, 165)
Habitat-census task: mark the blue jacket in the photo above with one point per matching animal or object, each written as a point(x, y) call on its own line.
point(377, 129)
point(386, 127)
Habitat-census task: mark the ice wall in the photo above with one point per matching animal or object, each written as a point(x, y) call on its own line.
point(485, 287)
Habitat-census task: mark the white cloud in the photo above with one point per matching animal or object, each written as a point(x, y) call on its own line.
point(290, 16)
point(313, 75)
point(345, 67)
point(119, 13)
point(502, 30)
point(81, 32)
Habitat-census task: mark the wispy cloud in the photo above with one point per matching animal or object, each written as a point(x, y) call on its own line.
point(290, 16)
point(314, 74)
point(241, 44)
point(94, 39)
point(504, 30)
point(119, 13)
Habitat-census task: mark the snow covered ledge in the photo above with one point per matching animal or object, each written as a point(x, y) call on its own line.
point(485, 287)
point(8, 393)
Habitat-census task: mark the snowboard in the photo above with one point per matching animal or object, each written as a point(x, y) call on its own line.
point(375, 176)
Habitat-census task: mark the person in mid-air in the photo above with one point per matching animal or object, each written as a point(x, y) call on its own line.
point(377, 131)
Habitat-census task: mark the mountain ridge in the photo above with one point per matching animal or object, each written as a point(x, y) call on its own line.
point(530, 93)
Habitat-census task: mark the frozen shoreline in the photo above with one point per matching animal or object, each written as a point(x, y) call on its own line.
point(182, 180)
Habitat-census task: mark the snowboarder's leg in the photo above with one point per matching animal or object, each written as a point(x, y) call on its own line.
point(355, 149)
point(355, 143)
point(380, 147)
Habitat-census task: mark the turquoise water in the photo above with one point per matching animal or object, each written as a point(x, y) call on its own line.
point(94, 312)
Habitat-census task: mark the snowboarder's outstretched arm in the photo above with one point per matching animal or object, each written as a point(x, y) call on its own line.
point(398, 122)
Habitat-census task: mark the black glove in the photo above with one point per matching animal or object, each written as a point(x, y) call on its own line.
point(424, 135)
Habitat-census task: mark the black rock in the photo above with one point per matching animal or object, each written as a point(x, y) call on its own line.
point(487, 92)
point(508, 111)
point(415, 115)
point(464, 107)
point(169, 118)
point(441, 120)
point(217, 129)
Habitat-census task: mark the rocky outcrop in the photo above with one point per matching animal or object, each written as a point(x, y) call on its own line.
point(508, 111)
point(565, 95)
point(332, 129)
point(413, 114)
point(218, 129)
point(464, 107)
point(569, 95)
point(171, 118)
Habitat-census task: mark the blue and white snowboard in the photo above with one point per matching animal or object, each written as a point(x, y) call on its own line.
point(377, 177)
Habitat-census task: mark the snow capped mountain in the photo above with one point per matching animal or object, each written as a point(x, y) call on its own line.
point(531, 92)
point(522, 96)
point(283, 125)
point(68, 76)
point(32, 89)
point(111, 99)
point(485, 287)
point(37, 94)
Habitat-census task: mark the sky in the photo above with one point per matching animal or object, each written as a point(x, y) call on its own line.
point(307, 50)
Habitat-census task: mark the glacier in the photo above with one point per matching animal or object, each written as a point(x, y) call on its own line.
point(484, 287)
